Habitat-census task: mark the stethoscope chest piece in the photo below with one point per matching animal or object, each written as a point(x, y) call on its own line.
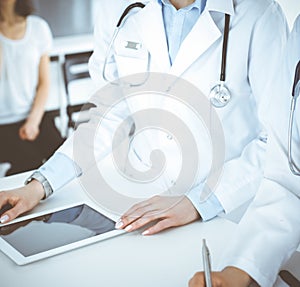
point(219, 96)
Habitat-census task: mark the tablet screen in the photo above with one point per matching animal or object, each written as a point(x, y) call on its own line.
point(55, 229)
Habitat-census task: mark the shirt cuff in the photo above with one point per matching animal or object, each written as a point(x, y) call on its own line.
point(59, 170)
point(207, 209)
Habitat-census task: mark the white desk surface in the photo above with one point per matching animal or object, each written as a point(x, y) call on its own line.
point(168, 259)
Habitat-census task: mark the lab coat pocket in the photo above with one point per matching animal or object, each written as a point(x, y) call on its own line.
point(131, 57)
point(129, 65)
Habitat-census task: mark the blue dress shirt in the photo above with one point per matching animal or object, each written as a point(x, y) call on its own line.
point(178, 23)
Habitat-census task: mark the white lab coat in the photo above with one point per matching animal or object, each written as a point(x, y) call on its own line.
point(269, 232)
point(258, 32)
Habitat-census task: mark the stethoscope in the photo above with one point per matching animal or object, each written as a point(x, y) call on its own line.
point(115, 34)
point(295, 94)
point(219, 95)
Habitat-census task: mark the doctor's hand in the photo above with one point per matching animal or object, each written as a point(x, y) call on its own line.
point(229, 277)
point(29, 131)
point(21, 200)
point(165, 211)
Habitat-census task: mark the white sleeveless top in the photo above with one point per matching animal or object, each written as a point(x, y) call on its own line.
point(19, 69)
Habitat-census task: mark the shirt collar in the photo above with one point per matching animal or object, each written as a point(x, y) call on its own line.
point(199, 4)
point(223, 6)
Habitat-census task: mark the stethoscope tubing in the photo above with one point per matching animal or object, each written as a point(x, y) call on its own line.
point(115, 34)
point(295, 94)
point(127, 10)
point(224, 48)
point(113, 38)
point(293, 167)
point(223, 60)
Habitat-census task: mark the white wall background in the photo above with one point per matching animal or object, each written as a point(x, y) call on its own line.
point(291, 9)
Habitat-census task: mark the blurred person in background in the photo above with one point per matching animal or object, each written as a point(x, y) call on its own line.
point(28, 136)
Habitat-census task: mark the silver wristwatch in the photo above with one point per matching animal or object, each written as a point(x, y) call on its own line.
point(45, 183)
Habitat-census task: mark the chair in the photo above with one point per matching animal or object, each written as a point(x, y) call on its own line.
point(289, 278)
point(74, 69)
point(290, 272)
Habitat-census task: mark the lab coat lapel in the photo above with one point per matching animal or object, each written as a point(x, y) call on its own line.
point(204, 33)
point(150, 26)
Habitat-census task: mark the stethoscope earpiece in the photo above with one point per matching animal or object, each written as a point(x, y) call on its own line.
point(219, 96)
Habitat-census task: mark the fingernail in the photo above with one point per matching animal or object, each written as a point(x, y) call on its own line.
point(4, 218)
point(119, 224)
point(128, 228)
point(146, 232)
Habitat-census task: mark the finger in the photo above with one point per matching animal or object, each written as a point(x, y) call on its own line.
point(5, 206)
point(14, 212)
point(149, 202)
point(30, 137)
point(133, 213)
point(21, 133)
point(24, 134)
point(197, 280)
point(134, 216)
point(3, 216)
point(142, 221)
point(137, 211)
point(35, 135)
point(7, 199)
point(136, 207)
point(159, 226)
point(3, 199)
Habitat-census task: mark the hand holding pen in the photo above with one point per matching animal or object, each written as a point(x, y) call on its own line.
point(229, 277)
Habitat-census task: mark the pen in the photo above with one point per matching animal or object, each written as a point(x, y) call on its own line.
point(206, 264)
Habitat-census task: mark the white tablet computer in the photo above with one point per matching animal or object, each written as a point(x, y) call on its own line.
point(42, 235)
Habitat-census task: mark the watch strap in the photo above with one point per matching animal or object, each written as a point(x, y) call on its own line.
point(45, 183)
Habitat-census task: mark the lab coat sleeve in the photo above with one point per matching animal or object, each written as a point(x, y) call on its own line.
point(242, 175)
point(93, 140)
point(57, 165)
point(62, 167)
point(269, 232)
point(267, 235)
